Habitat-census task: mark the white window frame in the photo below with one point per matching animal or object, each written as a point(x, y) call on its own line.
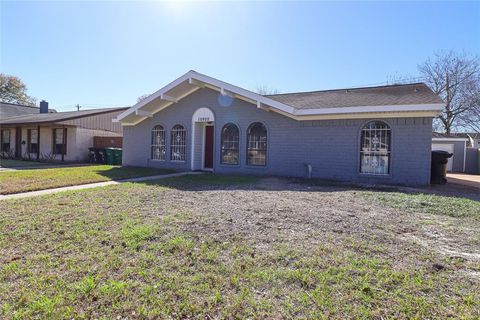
point(375, 149)
point(254, 145)
point(230, 143)
point(178, 144)
point(158, 143)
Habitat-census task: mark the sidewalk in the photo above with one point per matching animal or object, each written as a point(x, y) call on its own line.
point(471, 180)
point(92, 185)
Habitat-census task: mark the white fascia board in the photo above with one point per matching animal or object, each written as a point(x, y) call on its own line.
point(362, 109)
point(243, 92)
point(449, 139)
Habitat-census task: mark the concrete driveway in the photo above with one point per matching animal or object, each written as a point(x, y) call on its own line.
point(471, 180)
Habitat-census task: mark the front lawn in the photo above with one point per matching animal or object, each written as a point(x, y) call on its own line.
point(40, 179)
point(211, 247)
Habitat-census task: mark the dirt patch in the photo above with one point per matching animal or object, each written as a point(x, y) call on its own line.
point(284, 211)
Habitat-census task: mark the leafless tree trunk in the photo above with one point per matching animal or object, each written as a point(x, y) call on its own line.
point(265, 90)
point(456, 79)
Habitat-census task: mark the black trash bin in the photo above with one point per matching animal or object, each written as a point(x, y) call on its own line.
point(439, 166)
point(97, 155)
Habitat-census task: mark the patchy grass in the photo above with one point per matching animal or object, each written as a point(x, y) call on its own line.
point(125, 253)
point(39, 179)
point(429, 203)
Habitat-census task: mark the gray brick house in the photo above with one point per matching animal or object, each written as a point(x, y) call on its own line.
point(375, 134)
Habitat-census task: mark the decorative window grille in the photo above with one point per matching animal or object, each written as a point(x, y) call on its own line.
point(178, 143)
point(158, 143)
point(375, 148)
point(5, 143)
point(257, 144)
point(230, 144)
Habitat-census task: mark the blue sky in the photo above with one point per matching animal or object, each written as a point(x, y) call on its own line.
point(100, 54)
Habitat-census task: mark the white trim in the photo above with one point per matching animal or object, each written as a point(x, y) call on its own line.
point(198, 80)
point(363, 109)
point(192, 147)
point(450, 139)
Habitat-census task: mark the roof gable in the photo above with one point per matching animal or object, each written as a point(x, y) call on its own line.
point(299, 106)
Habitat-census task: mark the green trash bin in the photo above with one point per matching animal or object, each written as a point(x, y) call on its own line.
point(109, 152)
point(117, 156)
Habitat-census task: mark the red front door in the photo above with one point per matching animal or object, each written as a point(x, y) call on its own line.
point(208, 161)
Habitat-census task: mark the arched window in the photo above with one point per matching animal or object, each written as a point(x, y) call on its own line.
point(375, 148)
point(230, 142)
point(178, 143)
point(257, 144)
point(158, 143)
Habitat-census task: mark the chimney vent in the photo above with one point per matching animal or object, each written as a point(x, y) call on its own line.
point(43, 106)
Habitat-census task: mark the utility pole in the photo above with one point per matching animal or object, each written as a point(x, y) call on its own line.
point(78, 107)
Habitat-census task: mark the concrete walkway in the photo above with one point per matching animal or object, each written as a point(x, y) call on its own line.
point(471, 180)
point(92, 185)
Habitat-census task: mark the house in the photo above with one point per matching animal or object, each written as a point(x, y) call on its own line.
point(375, 134)
point(8, 110)
point(46, 135)
point(455, 144)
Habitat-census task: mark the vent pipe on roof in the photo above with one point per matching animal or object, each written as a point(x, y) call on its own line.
point(43, 106)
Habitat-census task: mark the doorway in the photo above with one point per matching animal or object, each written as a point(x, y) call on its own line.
point(208, 147)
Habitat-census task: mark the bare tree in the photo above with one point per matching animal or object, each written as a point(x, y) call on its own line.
point(143, 97)
point(265, 90)
point(456, 79)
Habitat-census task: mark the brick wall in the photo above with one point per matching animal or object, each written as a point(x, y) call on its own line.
point(330, 146)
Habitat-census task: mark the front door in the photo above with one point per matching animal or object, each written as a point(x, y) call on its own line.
point(208, 160)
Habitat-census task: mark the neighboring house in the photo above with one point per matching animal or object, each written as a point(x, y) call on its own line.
point(375, 135)
point(455, 144)
point(8, 110)
point(62, 136)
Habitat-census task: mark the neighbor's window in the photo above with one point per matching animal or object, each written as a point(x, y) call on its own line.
point(257, 144)
point(60, 141)
point(178, 143)
point(32, 137)
point(230, 142)
point(5, 143)
point(158, 143)
point(375, 148)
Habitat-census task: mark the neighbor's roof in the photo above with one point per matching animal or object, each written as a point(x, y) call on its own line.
point(8, 110)
point(39, 118)
point(413, 100)
point(397, 94)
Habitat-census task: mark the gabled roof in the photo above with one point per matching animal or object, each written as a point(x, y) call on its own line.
point(388, 101)
point(8, 110)
point(43, 118)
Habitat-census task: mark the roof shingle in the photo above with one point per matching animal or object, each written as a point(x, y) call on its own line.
point(400, 94)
